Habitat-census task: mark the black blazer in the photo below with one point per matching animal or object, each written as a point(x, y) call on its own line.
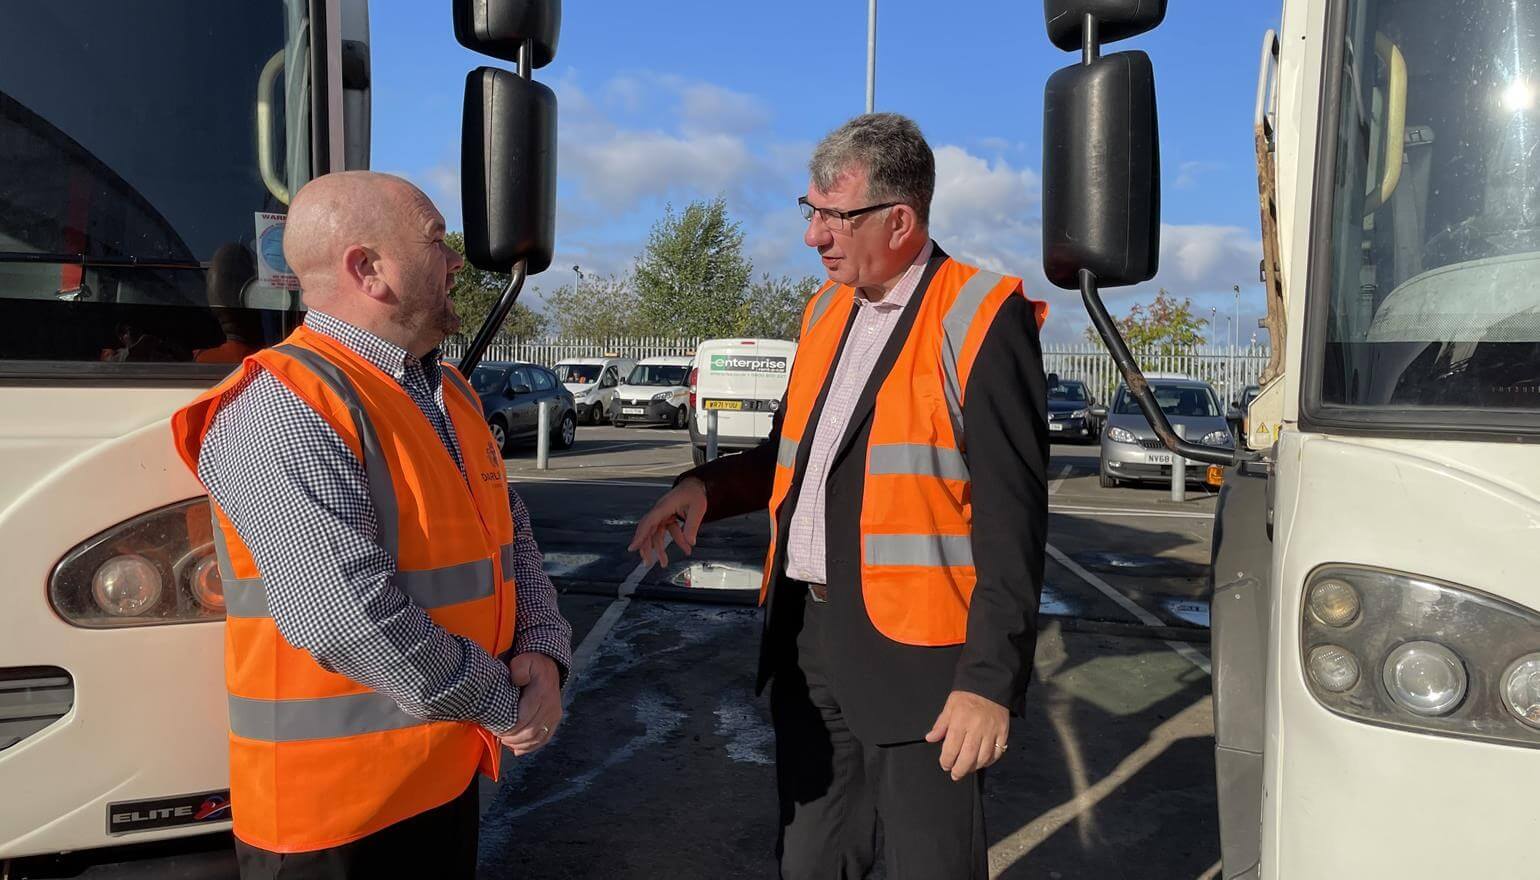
point(892, 692)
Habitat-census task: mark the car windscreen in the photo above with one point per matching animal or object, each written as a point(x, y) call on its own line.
point(579, 374)
point(661, 375)
point(489, 379)
point(1193, 401)
point(1071, 392)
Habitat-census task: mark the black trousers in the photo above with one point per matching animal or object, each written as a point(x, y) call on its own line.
point(440, 843)
point(834, 788)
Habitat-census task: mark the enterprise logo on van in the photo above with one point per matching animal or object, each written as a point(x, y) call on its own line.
point(732, 363)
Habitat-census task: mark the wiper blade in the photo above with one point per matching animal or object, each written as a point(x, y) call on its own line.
point(90, 262)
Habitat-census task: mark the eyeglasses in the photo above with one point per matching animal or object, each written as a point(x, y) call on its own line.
point(839, 221)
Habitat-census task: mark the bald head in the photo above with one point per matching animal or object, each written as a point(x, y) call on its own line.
point(369, 248)
point(336, 211)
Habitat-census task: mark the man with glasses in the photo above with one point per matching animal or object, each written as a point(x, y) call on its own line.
point(905, 480)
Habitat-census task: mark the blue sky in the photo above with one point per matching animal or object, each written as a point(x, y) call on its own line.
point(674, 100)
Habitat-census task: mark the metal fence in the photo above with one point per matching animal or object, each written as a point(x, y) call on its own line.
point(552, 350)
point(1228, 369)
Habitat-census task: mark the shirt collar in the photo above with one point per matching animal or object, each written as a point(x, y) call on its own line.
point(392, 359)
point(903, 291)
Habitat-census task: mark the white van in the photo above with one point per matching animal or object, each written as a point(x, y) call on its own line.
point(655, 393)
point(742, 381)
point(593, 382)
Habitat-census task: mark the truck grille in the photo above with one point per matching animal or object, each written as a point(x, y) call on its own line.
point(31, 698)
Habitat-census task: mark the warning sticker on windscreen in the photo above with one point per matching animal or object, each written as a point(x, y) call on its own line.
point(737, 363)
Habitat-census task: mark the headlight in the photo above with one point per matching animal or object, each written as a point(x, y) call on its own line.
point(1521, 689)
point(125, 586)
point(1121, 435)
point(156, 568)
point(1425, 677)
point(662, 395)
point(1422, 655)
point(1217, 438)
point(1079, 414)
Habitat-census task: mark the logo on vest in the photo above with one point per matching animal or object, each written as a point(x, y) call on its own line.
point(493, 455)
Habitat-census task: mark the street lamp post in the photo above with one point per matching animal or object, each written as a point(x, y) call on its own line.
point(871, 55)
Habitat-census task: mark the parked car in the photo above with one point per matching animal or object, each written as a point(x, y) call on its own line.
point(1237, 416)
point(593, 382)
point(742, 381)
point(1131, 452)
point(656, 393)
point(511, 394)
point(1069, 410)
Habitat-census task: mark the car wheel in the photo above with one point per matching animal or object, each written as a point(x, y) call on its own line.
point(698, 455)
point(682, 417)
point(566, 432)
point(500, 434)
point(1108, 481)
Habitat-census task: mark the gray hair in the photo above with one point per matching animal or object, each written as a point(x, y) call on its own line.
point(899, 164)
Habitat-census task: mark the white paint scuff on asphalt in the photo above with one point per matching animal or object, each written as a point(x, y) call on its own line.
point(563, 564)
point(1188, 652)
point(749, 739)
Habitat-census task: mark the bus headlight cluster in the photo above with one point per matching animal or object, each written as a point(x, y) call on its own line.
point(156, 568)
point(1425, 655)
point(1419, 654)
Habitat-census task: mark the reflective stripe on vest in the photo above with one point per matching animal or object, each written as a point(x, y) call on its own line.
point(278, 721)
point(951, 551)
point(786, 457)
point(917, 458)
point(955, 325)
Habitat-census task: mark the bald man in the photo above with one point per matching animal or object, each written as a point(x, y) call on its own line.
point(390, 623)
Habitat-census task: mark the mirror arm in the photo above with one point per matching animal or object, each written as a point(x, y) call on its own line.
point(1090, 32)
point(494, 321)
point(1139, 388)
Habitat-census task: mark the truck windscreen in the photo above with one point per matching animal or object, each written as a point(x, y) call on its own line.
point(1434, 297)
point(147, 154)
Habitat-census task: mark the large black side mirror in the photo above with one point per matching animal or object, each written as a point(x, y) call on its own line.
point(499, 27)
point(1101, 178)
point(1101, 172)
point(507, 149)
point(508, 176)
point(1115, 19)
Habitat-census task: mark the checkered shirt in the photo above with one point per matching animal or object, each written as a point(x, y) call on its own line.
point(299, 499)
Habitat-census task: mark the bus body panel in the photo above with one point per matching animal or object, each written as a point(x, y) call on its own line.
point(149, 717)
point(1345, 798)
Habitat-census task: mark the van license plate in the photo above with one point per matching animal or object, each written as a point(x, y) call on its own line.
point(633, 410)
point(1158, 458)
point(724, 404)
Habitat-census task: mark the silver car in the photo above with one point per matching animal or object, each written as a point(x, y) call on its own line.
point(1130, 450)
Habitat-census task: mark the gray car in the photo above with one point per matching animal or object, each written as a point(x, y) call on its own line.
point(1130, 451)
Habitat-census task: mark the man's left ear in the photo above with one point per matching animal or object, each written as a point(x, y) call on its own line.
point(902, 222)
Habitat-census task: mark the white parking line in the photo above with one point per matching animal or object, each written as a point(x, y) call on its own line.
point(601, 628)
point(526, 478)
point(1127, 511)
point(1187, 651)
point(1064, 472)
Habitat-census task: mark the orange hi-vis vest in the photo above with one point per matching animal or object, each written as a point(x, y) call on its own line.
point(317, 759)
point(917, 572)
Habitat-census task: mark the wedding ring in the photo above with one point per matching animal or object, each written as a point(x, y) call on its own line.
point(1000, 747)
point(544, 729)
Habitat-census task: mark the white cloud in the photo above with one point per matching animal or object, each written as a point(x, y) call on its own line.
point(1188, 173)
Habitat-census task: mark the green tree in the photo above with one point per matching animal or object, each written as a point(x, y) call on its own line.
point(1164, 326)
point(601, 307)
point(476, 291)
point(772, 307)
point(692, 277)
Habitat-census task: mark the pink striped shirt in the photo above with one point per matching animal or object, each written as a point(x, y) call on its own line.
point(869, 334)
